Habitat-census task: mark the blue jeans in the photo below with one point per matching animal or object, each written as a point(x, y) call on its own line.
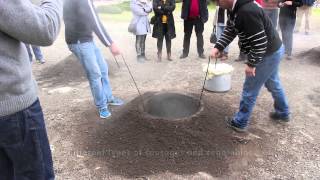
point(220, 29)
point(96, 69)
point(273, 15)
point(267, 73)
point(24, 147)
point(36, 50)
point(287, 26)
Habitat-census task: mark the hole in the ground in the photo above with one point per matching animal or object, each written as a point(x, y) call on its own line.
point(172, 105)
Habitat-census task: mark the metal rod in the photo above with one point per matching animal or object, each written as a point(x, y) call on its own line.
point(205, 79)
point(215, 64)
point(134, 81)
point(115, 59)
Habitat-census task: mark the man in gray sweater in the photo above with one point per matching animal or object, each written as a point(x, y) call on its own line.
point(24, 147)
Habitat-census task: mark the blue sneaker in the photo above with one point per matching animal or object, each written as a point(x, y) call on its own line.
point(104, 113)
point(115, 102)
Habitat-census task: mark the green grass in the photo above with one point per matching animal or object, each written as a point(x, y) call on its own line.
point(121, 12)
point(114, 8)
point(316, 11)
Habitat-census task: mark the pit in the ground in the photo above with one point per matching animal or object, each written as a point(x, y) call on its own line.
point(172, 105)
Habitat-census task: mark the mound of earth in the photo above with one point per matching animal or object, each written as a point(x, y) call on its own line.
point(313, 55)
point(135, 144)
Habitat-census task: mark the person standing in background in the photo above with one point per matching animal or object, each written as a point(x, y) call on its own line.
point(220, 22)
point(163, 25)
point(305, 11)
point(287, 20)
point(272, 10)
point(37, 53)
point(195, 14)
point(140, 10)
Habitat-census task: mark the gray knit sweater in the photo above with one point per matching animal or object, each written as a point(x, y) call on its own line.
point(22, 22)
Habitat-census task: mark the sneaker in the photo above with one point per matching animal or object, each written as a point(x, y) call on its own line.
point(277, 117)
point(202, 56)
point(235, 127)
point(288, 57)
point(183, 56)
point(115, 102)
point(104, 113)
point(41, 61)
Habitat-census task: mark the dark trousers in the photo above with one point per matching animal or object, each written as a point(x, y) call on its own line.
point(141, 45)
point(273, 15)
point(287, 26)
point(165, 35)
point(199, 28)
point(24, 148)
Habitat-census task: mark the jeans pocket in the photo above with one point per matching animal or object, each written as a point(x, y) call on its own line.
point(11, 132)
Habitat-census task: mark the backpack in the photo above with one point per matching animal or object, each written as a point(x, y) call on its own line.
point(308, 2)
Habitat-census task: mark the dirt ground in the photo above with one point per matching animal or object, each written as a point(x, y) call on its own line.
point(131, 146)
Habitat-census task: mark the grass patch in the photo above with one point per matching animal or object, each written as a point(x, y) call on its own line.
point(122, 12)
point(316, 11)
point(114, 8)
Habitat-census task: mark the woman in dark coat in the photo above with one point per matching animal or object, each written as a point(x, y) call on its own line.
point(163, 22)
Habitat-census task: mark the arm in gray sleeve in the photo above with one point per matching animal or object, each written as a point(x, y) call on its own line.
point(37, 25)
point(98, 27)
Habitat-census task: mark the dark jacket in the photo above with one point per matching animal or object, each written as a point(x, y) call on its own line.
point(166, 9)
point(204, 14)
point(290, 11)
point(81, 20)
point(257, 36)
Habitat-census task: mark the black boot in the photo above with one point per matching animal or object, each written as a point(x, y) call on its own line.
point(140, 59)
point(159, 56)
point(143, 48)
point(169, 56)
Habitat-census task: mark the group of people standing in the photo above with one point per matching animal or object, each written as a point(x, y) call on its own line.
point(24, 147)
point(194, 13)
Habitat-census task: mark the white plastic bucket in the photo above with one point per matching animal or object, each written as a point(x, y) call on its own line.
point(220, 83)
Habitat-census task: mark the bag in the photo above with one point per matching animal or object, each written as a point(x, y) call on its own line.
point(153, 20)
point(133, 26)
point(213, 37)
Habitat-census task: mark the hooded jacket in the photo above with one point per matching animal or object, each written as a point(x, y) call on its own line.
point(257, 36)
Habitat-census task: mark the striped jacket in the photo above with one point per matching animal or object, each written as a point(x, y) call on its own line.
point(257, 36)
point(81, 20)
